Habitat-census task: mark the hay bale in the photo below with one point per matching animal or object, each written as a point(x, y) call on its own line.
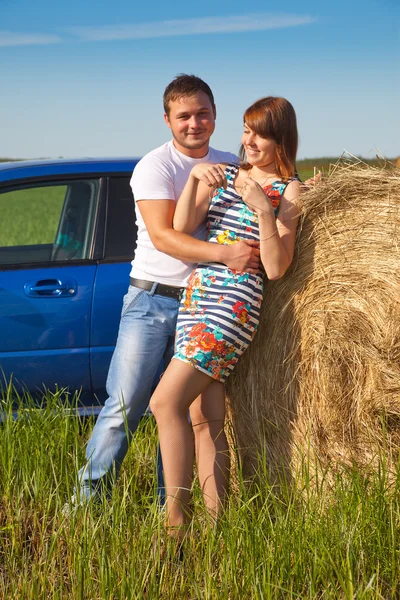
point(321, 381)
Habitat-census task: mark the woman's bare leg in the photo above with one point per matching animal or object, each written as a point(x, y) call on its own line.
point(207, 414)
point(178, 387)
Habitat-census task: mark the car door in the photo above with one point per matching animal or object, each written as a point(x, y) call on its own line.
point(47, 272)
point(112, 278)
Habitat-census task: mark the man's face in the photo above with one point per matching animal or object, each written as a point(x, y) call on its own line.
point(192, 122)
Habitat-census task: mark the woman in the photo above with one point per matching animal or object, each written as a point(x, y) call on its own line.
point(219, 311)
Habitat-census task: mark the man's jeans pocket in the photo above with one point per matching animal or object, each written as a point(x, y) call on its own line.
point(130, 298)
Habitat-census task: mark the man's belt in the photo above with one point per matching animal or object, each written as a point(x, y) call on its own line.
point(161, 289)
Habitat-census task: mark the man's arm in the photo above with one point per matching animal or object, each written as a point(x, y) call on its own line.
point(158, 217)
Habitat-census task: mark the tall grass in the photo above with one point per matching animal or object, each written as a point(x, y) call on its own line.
point(302, 542)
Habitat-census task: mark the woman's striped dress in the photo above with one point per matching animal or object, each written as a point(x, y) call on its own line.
point(219, 311)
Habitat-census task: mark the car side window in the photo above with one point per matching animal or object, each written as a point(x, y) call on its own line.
point(47, 222)
point(121, 230)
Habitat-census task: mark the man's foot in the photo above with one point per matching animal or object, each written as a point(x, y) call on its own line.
point(75, 504)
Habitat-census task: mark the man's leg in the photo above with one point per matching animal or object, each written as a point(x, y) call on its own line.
point(146, 330)
point(160, 469)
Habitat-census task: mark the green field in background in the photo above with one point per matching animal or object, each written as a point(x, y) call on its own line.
point(30, 216)
point(306, 166)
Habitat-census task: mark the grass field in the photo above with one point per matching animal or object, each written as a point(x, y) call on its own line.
point(30, 216)
point(320, 544)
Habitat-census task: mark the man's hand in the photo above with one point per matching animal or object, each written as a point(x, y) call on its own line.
point(243, 256)
point(311, 182)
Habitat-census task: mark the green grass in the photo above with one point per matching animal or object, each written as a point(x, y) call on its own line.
point(306, 166)
point(30, 216)
point(338, 545)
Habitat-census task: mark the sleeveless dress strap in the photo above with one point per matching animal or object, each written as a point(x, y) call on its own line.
point(230, 172)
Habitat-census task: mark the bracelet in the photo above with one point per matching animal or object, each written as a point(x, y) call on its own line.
point(270, 236)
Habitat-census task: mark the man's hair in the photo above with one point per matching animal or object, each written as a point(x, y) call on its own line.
point(185, 85)
point(274, 118)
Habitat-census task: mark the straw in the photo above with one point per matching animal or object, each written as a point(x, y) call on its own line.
point(321, 381)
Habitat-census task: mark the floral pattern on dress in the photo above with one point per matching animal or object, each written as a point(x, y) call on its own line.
point(240, 311)
point(205, 346)
point(247, 216)
point(227, 237)
point(193, 293)
point(274, 192)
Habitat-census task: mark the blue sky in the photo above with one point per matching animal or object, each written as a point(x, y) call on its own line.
point(86, 77)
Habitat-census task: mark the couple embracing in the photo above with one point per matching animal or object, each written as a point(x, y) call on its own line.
point(235, 219)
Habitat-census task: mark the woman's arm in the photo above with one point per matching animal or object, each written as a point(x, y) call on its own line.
point(192, 206)
point(277, 236)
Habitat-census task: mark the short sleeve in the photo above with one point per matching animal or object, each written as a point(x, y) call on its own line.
point(152, 179)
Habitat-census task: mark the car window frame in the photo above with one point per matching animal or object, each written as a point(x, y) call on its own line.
point(98, 222)
point(101, 238)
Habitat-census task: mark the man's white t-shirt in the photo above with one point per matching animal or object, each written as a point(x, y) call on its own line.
point(162, 175)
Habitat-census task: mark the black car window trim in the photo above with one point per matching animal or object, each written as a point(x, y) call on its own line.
point(116, 258)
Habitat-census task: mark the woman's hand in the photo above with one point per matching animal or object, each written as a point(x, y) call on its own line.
point(254, 196)
point(211, 175)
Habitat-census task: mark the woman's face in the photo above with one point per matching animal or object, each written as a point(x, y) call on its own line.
point(260, 151)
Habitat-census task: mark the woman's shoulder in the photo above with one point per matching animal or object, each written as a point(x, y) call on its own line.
point(293, 184)
point(292, 188)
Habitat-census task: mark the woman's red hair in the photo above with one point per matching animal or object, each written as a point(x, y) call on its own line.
point(274, 118)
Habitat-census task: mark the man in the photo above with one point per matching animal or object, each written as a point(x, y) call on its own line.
point(163, 261)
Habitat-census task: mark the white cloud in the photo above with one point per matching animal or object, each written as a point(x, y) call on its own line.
point(9, 38)
point(171, 28)
point(198, 26)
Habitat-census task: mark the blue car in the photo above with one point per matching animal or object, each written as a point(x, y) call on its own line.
point(67, 236)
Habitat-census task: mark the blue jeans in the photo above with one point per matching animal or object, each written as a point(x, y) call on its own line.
point(146, 337)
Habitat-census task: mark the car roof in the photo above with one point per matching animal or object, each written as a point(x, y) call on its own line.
point(27, 169)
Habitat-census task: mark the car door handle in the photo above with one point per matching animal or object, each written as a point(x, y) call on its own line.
point(48, 288)
point(53, 288)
